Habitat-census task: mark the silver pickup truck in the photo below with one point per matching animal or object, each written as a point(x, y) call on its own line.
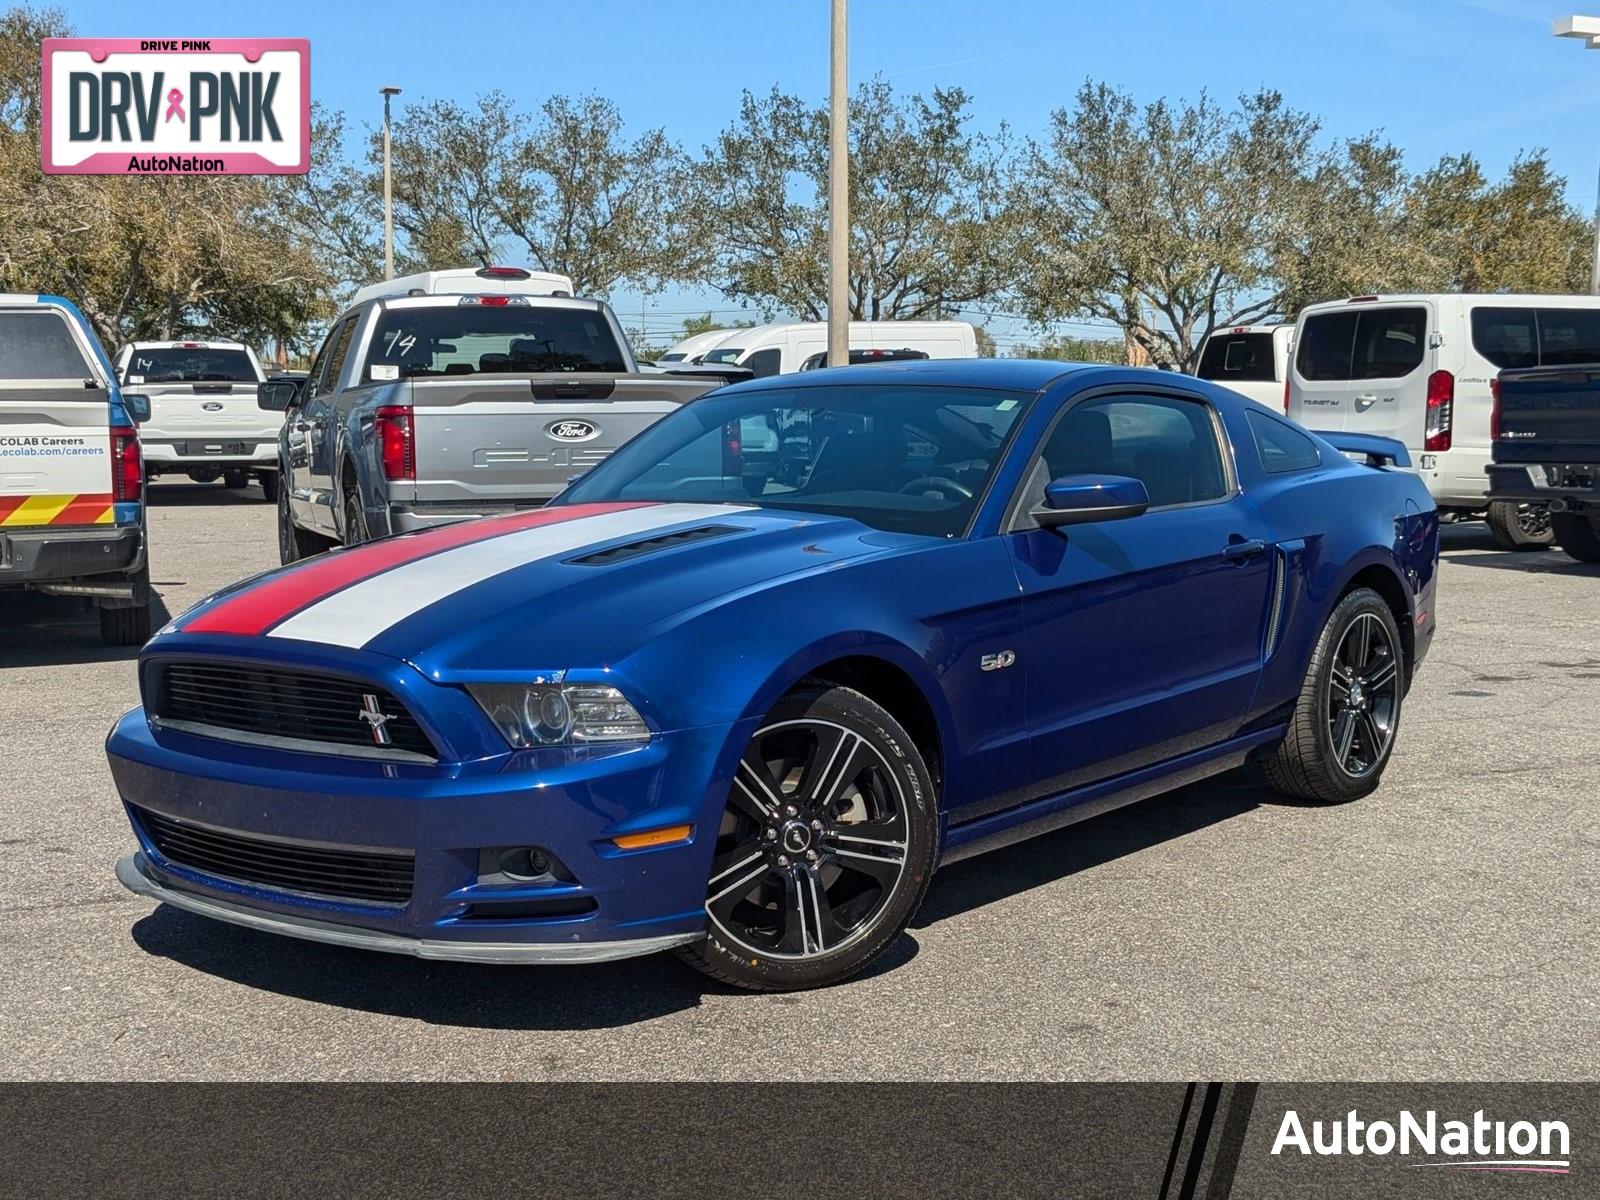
point(452, 395)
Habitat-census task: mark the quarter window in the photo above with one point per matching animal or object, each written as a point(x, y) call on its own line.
point(1167, 444)
point(1281, 447)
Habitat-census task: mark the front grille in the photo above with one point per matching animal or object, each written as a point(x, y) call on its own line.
point(319, 712)
point(377, 877)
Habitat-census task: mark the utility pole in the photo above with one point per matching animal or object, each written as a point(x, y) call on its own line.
point(838, 196)
point(388, 194)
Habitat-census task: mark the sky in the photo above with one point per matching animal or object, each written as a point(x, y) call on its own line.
point(1435, 76)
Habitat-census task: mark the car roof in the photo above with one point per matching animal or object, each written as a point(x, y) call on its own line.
point(196, 343)
point(1009, 374)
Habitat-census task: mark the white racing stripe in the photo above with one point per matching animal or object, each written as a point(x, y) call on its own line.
point(367, 609)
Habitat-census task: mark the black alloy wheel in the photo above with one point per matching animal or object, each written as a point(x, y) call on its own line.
point(1347, 715)
point(1363, 695)
point(824, 848)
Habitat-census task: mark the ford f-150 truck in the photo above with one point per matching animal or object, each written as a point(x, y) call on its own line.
point(1546, 427)
point(204, 421)
point(455, 394)
point(71, 482)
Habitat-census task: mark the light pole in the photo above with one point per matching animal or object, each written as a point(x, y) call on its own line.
point(838, 197)
point(388, 93)
point(1587, 28)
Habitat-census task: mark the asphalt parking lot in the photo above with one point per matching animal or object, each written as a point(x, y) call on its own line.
point(1441, 929)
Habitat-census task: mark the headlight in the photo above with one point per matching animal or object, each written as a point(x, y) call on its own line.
point(554, 714)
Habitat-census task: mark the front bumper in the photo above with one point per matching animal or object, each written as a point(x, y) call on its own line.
point(43, 556)
point(570, 803)
point(133, 874)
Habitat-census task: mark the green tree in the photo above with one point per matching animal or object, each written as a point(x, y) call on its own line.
point(563, 188)
point(926, 199)
point(1073, 349)
point(1173, 210)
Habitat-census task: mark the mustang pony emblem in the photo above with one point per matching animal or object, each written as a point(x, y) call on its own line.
point(374, 716)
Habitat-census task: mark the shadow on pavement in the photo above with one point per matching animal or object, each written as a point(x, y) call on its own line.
point(187, 494)
point(974, 882)
point(39, 631)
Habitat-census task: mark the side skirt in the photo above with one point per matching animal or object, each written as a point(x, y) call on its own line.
point(1067, 808)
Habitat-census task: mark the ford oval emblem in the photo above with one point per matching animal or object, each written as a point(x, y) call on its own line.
point(211, 406)
point(571, 431)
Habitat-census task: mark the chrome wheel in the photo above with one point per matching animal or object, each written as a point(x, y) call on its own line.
point(1363, 696)
point(812, 844)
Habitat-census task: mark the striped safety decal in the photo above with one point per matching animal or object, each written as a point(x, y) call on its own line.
point(350, 597)
point(56, 510)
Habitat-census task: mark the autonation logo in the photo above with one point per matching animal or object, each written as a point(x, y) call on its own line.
point(1476, 1145)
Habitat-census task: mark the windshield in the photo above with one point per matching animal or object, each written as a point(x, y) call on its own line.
point(909, 459)
point(176, 365)
point(472, 339)
point(723, 355)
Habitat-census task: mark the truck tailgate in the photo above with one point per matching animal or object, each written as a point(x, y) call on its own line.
point(503, 439)
point(205, 410)
point(1549, 415)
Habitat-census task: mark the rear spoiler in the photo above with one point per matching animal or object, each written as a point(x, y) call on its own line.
point(1380, 451)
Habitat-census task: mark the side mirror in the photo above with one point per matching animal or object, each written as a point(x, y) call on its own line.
point(138, 406)
point(278, 395)
point(1078, 499)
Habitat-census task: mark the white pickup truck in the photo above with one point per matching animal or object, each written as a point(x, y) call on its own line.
point(204, 421)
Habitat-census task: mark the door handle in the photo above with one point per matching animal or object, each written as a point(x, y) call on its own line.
point(1239, 551)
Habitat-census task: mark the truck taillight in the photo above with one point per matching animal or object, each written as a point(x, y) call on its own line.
point(1441, 402)
point(397, 440)
point(1494, 408)
point(1286, 393)
point(127, 464)
point(732, 451)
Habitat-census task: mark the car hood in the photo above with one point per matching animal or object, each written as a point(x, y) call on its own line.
point(562, 587)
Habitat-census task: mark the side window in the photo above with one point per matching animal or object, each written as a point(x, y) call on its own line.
point(1390, 342)
point(341, 351)
point(1282, 448)
point(1326, 344)
point(1568, 336)
point(763, 362)
point(1507, 337)
point(1169, 445)
point(319, 364)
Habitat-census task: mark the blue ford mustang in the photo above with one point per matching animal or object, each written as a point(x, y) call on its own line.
point(747, 683)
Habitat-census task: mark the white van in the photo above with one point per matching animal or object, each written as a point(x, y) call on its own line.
point(1418, 368)
point(691, 348)
point(779, 349)
point(1252, 360)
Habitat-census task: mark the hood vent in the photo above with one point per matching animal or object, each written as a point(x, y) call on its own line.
point(664, 541)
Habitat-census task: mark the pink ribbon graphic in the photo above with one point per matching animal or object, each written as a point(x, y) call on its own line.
point(175, 105)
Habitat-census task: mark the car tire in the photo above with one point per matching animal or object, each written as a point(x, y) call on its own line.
point(1578, 534)
point(295, 543)
point(355, 517)
point(129, 626)
point(236, 480)
point(1347, 715)
point(269, 481)
point(1519, 526)
point(818, 850)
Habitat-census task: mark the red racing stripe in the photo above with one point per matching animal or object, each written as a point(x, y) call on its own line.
point(257, 609)
point(9, 505)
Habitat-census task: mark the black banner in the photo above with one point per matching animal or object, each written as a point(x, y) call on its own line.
point(1165, 1141)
